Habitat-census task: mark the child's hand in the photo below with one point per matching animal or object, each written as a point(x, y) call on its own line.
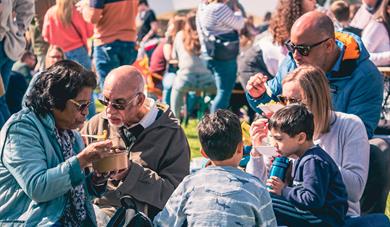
point(258, 131)
point(254, 153)
point(275, 185)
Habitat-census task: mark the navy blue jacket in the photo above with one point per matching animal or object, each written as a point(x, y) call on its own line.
point(318, 187)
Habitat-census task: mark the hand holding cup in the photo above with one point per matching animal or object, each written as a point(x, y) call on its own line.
point(259, 131)
point(93, 152)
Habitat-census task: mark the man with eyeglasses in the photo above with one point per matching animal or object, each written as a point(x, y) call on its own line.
point(159, 154)
point(355, 82)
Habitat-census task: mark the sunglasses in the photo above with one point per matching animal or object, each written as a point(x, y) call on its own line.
point(285, 100)
point(80, 106)
point(303, 50)
point(117, 104)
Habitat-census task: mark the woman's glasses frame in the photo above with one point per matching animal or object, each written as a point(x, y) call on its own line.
point(285, 100)
point(80, 106)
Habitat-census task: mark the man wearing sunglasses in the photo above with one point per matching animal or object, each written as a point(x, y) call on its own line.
point(355, 82)
point(159, 153)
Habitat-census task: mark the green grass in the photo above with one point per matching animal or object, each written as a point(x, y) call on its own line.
point(192, 136)
point(99, 106)
point(387, 211)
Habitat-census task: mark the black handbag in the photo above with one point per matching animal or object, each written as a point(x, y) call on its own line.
point(224, 46)
point(119, 219)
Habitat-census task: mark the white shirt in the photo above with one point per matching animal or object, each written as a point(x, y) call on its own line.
point(150, 117)
point(376, 39)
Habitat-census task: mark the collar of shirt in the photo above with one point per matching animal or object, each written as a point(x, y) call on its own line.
point(336, 66)
point(149, 117)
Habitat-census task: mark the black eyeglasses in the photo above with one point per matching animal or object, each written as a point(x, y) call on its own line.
point(80, 106)
point(285, 100)
point(303, 50)
point(117, 103)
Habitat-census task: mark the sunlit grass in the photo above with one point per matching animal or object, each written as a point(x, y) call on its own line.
point(192, 136)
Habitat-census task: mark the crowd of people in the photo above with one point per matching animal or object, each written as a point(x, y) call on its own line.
point(57, 58)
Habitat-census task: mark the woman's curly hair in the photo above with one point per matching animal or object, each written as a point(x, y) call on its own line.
point(286, 13)
point(53, 88)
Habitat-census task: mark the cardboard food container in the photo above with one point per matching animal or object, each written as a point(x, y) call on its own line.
point(270, 108)
point(114, 162)
point(266, 150)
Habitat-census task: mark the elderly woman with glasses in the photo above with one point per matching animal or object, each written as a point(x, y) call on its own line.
point(342, 136)
point(43, 175)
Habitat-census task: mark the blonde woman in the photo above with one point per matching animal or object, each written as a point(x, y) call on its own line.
point(342, 136)
point(64, 26)
point(193, 73)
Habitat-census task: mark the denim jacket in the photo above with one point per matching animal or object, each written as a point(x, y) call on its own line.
point(356, 85)
point(35, 180)
point(218, 196)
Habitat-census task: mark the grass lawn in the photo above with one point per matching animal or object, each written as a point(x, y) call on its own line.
point(387, 211)
point(192, 136)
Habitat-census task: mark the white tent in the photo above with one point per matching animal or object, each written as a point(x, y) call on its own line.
point(252, 7)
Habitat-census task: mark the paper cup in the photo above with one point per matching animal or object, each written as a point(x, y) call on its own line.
point(266, 150)
point(114, 162)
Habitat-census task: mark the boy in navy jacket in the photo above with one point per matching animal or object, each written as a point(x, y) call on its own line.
point(317, 195)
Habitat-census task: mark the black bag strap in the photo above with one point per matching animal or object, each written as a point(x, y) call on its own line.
point(128, 203)
point(78, 33)
point(119, 218)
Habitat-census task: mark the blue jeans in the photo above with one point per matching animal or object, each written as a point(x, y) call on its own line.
point(287, 215)
point(112, 55)
point(5, 70)
point(79, 55)
point(225, 74)
point(167, 87)
point(184, 83)
point(17, 88)
point(370, 220)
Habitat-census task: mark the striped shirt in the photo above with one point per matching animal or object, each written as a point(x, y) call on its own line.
point(218, 18)
point(218, 196)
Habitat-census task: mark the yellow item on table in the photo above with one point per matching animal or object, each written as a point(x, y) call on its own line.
point(246, 138)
